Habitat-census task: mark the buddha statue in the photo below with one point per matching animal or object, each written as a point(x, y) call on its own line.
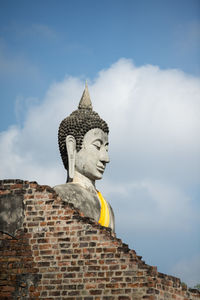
point(83, 145)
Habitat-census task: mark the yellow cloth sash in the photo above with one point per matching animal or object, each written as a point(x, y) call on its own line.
point(104, 216)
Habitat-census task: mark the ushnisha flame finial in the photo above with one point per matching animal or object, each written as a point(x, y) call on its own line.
point(85, 102)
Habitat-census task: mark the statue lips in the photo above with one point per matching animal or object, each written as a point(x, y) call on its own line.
point(101, 168)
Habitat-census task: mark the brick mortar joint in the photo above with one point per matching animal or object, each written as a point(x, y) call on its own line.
point(77, 216)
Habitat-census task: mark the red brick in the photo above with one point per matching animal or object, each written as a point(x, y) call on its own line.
point(76, 260)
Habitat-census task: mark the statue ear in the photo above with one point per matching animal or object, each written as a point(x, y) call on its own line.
point(71, 152)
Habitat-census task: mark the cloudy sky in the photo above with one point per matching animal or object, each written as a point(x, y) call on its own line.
point(141, 61)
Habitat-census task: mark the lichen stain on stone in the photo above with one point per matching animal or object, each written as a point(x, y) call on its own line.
point(12, 213)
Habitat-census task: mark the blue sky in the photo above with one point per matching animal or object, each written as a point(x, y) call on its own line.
point(141, 60)
point(79, 38)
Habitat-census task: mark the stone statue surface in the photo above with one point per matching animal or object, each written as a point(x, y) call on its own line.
point(83, 144)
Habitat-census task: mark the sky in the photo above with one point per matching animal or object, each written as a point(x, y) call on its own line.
point(142, 64)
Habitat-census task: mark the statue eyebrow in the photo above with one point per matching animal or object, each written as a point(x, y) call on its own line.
point(98, 140)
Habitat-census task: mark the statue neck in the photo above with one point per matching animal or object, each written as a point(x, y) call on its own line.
point(84, 181)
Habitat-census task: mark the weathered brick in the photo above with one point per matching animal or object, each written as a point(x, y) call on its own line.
point(95, 292)
point(67, 256)
point(54, 293)
point(7, 288)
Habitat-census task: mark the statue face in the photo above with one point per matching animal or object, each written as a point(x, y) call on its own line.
point(91, 160)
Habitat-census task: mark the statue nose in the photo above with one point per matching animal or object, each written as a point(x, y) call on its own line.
point(104, 156)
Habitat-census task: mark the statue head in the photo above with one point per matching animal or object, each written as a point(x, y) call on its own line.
point(83, 141)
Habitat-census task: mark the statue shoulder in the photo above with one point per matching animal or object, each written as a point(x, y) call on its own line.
point(67, 190)
point(81, 198)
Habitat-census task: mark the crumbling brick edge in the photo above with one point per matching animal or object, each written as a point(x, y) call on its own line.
point(59, 254)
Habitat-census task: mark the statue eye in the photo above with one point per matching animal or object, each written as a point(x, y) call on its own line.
point(97, 145)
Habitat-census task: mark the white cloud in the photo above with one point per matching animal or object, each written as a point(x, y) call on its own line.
point(148, 206)
point(154, 148)
point(154, 119)
point(31, 152)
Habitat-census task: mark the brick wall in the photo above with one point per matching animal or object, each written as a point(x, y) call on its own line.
point(57, 253)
